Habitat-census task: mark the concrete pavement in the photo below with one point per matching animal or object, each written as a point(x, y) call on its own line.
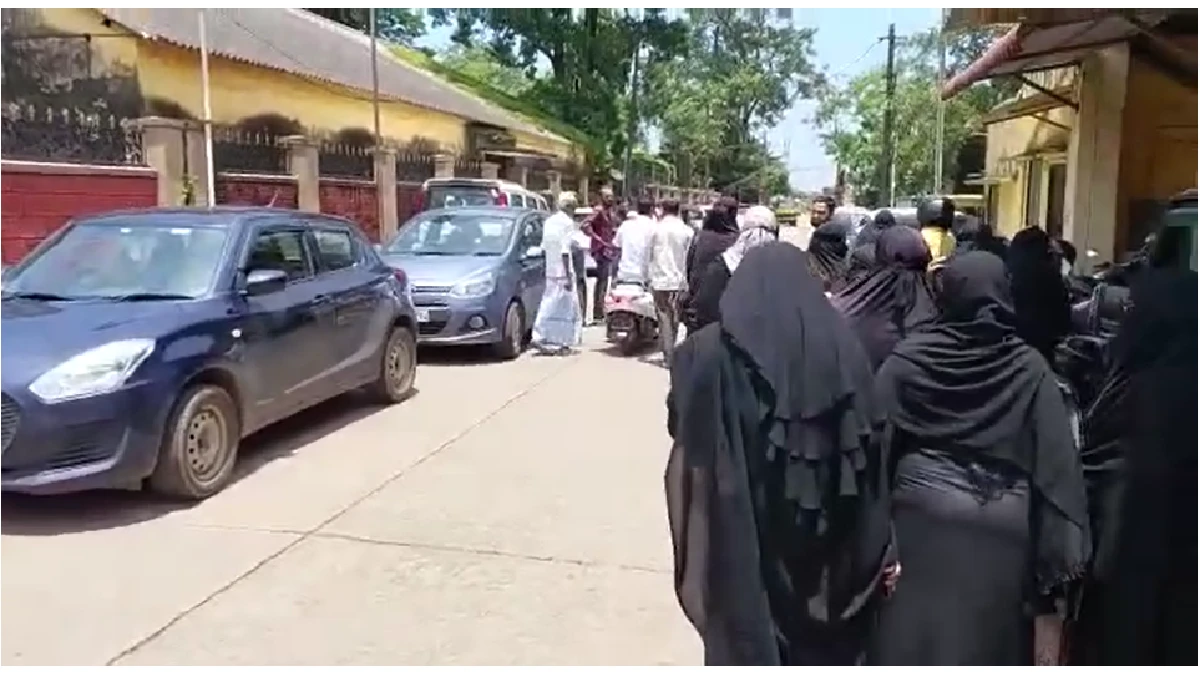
point(510, 513)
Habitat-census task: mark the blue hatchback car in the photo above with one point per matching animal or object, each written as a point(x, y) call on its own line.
point(143, 345)
point(477, 274)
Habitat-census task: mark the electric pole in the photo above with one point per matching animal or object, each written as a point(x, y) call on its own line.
point(886, 187)
point(940, 143)
point(632, 126)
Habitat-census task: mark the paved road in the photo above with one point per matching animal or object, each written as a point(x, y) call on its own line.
point(510, 513)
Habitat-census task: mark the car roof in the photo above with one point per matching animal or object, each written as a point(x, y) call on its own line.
point(212, 216)
point(495, 211)
point(482, 182)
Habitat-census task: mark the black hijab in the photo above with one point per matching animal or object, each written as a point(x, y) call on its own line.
point(1040, 297)
point(827, 251)
point(718, 233)
point(870, 232)
point(894, 298)
point(969, 385)
point(778, 520)
point(1139, 456)
point(862, 262)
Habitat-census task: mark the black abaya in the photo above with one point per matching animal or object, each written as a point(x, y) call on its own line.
point(778, 521)
point(990, 512)
point(827, 249)
point(719, 232)
point(1040, 298)
point(1138, 605)
point(894, 298)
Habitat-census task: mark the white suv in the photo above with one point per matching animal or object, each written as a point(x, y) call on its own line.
point(440, 193)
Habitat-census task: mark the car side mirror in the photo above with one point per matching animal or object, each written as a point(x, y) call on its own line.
point(533, 252)
point(264, 281)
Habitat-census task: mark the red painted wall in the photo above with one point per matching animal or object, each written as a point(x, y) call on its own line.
point(353, 199)
point(408, 201)
point(37, 198)
point(254, 190)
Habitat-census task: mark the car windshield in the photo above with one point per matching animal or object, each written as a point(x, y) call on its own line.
point(453, 234)
point(449, 196)
point(122, 261)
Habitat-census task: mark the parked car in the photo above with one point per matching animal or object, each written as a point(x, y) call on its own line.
point(144, 345)
point(445, 193)
point(477, 274)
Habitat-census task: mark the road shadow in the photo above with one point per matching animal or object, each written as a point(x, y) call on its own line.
point(48, 515)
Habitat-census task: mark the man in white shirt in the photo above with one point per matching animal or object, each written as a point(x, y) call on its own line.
point(633, 242)
point(669, 241)
point(559, 324)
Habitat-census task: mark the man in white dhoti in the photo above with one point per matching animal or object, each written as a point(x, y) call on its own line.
point(559, 324)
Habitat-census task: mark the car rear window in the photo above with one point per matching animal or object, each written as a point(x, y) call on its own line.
point(448, 196)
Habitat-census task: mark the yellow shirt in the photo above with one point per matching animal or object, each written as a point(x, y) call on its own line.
point(941, 244)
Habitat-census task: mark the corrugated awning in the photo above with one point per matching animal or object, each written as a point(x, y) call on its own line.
point(970, 17)
point(1026, 49)
point(1036, 104)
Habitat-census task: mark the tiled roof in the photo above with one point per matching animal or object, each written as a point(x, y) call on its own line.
point(301, 43)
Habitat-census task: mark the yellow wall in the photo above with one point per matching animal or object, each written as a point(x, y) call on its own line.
point(1158, 141)
point(239, 90)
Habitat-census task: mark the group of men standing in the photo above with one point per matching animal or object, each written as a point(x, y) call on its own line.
point(647, 246)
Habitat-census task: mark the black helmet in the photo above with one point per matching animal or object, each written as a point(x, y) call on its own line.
point(936, 212)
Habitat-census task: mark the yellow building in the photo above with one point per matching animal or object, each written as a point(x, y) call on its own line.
point(1103, 132)
point(299, 71)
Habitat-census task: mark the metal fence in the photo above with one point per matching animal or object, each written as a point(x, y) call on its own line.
point(414, 167)
point(238, 150)
point(344, 160)
point(69, 135)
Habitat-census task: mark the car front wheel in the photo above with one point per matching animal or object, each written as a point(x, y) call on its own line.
point(398, 368)
point(200, 445)
point(512, 333)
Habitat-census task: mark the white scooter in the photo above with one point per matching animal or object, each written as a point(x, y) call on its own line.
point(630, 317)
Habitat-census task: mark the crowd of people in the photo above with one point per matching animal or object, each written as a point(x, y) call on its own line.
point(874, 460)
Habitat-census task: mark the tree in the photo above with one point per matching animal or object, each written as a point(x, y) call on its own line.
point(478, 64)
point(742, 71)
point(398, 25)
point(589, 54)
point(851, 116)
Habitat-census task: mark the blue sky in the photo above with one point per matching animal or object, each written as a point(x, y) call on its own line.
point(842, 38)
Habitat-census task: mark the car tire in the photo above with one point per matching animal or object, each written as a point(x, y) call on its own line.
point(199, 446)
point(397, 367)
point(512, 333)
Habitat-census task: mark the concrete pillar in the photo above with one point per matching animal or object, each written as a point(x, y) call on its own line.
point(490, 170)
point(1094, 155)
point(303, 162)
point(163, 142)
point(443, 166)
point(585, 197)
point(385, 192)
point(518, 174)
point(555, 180)
point(197, 162)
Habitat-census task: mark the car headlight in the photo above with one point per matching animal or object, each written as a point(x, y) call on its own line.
point(96, 371)
point(475, 286)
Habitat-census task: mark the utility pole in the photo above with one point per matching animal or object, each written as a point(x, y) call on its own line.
point(375, 75)
point(886, 182)
point(940, 143)
point(632, 126)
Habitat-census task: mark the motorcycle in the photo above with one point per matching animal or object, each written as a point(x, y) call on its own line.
point(630, 318)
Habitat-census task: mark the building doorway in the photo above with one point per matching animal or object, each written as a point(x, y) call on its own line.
point(1056, 199)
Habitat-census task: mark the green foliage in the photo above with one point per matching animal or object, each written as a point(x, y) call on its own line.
point(851, 116)
point(739, 74)
point(520, 105)
point(589, 53)
point(398, 25)
point(478, 64)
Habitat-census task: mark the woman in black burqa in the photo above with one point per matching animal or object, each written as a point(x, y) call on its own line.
point(875, 226)
point(1139, 456)
point(893, 299)
point(719, 231)
point(1040, 296)
point(779, 525)
point(988, 496)
point(827, 249)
